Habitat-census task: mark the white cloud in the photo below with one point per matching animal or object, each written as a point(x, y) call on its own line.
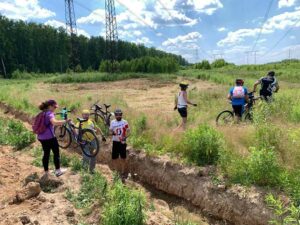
point(278, 22)
point(292, 37)
point(205, 6)
point(24, 9)
point(165, 11)
point(181, 39)
point(97, 16)
point(159, 34)
point(57, 24)
point(143, 40)
point(129, 34)
point(221, 29)
point(286, 3)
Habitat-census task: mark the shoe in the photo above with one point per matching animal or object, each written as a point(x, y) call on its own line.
point(60, 172)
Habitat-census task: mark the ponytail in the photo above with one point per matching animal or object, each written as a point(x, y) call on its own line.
point(44, 105)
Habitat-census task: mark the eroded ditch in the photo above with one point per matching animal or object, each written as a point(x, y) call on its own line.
point(233, 205)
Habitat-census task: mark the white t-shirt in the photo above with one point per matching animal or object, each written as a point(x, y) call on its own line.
point(120, 128)
point(181, 101)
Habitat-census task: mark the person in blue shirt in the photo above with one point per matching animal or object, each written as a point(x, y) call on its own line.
point(238, 95)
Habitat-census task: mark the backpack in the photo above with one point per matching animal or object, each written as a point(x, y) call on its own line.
point(238, 92)
point(39, 124)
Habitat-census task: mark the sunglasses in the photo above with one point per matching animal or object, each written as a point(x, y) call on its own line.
point(118, 114)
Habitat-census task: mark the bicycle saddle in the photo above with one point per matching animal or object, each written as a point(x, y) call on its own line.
point(106, 106)
point(81, 120)
point(98, 106)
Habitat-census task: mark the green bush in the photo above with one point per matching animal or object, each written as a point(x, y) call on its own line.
point(202, 145)
point(14, 133)
point(260, 167)
point(126, 203)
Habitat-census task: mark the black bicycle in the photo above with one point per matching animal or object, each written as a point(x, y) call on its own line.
point(227, 116)
point(99, 113)
point(85, 138)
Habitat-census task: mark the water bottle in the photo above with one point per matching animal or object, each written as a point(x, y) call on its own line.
point(64, 113)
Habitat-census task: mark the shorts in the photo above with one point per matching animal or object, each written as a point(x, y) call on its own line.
point(183, 112)
point(118, 150)
point(238, 110)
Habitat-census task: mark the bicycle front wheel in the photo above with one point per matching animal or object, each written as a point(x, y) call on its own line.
point(63, 135)
point(225, 117)
point(89, 143)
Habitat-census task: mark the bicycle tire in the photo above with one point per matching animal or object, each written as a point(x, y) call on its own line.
point(63, 135)
point(97, 116)
point(89, 143)
point(107, 120)
point(248, 117)
point(225, 117)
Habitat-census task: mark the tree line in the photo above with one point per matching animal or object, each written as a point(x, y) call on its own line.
point(39, 48)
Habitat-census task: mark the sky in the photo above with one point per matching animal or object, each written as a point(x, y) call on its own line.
point(194, 29)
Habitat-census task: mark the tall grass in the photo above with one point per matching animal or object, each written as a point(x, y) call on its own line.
point(14, 133)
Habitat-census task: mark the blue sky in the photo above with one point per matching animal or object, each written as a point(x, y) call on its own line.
point(195, 29)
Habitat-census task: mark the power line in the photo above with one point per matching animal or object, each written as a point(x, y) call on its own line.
point(264, 21)
point(282, 37)
point(170, 14)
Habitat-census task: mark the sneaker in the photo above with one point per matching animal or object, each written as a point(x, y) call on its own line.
point(60, 172)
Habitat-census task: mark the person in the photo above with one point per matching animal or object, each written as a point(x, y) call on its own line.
point(120, 131)
point(89, 124)
point(48, 139)
point(181, 103)
point(269, 85)
point(238, 95)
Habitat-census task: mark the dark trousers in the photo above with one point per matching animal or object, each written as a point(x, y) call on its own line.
point(49, 145)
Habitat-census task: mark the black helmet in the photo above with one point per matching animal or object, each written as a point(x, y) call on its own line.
point(271, 73)
point(118, 112)
point(239, 81)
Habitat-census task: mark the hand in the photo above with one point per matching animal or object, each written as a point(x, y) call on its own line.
point(195, 105)
point(175, 107)
point(114, 133)
point(103, 139)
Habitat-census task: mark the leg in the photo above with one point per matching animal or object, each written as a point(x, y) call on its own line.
point(115, 156)
point(85, 161)
point(122, 161)
point(56, 156)
point(46, 155)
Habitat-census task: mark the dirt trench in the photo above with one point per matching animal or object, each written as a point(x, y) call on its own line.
point(235, 204)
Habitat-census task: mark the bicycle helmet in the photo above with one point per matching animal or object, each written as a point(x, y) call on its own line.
point(85, 111)
point(239, 81)
point(183, 84)
point(118, 112)
point(271, 73)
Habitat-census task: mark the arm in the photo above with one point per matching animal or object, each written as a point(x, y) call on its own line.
point(186, 99)
point(176, 102)
point(255, 85)
point(277, 87)
point(229, 97)
point(56, 122)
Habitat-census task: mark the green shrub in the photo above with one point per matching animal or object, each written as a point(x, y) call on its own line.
point(202, 145)
point(93, 188)
point(15, 134)
point(268, 136)
point(260, 167)
point(126, 203)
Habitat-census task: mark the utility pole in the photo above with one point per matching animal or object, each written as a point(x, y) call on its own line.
point(111, 35)
point(290, 55)
point(72, 30)
point(196, 55)
point(247, 54)
point(255, 56)
point(4, 69)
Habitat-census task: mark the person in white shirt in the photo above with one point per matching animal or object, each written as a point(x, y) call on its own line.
point(120, 130)
point(181, 103)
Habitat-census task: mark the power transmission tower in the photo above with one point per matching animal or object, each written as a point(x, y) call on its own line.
point(254, 56)
point(111, 35)
point(247, 54)
point(72, 30)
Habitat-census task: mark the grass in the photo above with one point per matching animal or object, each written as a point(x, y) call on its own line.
point(14, 133)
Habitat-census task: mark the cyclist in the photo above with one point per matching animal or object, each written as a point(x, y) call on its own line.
point(269, 85)
point(48, 139)
point(120, 130)
point(238, 95)
point(181, 103)
point(89, 124)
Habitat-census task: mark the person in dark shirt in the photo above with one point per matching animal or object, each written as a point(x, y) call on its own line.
point(269, 84)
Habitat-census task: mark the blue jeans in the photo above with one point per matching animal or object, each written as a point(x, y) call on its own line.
point(89, 161)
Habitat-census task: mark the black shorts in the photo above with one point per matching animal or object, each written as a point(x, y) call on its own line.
point(183, 112)
point(238, 110)
point(118, 150)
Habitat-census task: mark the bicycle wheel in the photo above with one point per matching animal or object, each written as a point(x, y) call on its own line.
point(89, 143)
point(248, 117)
point(63, 135)
point(225, 117)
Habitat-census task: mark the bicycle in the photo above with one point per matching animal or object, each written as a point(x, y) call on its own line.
point(105, 115)
point(227, 116)
point(85, 138)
